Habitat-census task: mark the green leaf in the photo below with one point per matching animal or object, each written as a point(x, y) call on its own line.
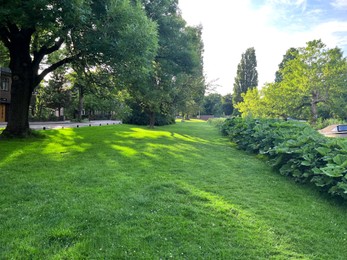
point(317, 171)
point(339, 189)
point(340, 160)
point(286, 169)
point(334, 171)
point(306, 163)
point(321, 181)
point(323, 151)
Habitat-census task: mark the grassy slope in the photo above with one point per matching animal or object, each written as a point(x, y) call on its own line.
point(179, 191)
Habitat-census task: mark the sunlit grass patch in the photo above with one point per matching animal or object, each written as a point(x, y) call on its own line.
point(127, 151)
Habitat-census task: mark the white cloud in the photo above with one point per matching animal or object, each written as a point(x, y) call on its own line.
point(340, 4)
point(230, 27)
point(294, 3)
point(333, 33)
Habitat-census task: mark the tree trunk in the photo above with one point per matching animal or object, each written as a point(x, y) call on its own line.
point(80, 103)
point(23, 84)
point(18, 122)
point(151, 119)
point(314, 109)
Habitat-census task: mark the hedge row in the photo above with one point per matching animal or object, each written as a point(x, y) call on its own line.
point(295, 149)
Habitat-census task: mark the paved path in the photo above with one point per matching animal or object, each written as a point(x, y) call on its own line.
point(67, 124)
point(331, 131)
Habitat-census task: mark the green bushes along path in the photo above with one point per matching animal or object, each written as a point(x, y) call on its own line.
point(295, 149)
point(180, 191)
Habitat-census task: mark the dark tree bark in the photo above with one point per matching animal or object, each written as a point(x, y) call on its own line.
point(23, 80)
point(151, 119)
point(80, 103)
point(21, 92)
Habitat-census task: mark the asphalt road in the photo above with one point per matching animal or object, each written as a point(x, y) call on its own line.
point(66, 124)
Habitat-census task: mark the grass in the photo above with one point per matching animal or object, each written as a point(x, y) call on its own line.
point(180, 191)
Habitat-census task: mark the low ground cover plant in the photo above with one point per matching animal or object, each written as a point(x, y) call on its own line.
point(295, 149)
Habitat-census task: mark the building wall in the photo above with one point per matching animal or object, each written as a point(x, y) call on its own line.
point(5, 93)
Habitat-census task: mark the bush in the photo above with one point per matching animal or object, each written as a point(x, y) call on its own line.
point(294, 149)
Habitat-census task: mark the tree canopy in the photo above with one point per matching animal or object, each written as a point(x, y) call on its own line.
point(290, 55)
point(312, 80)
point(176, 81)
point(115, 34)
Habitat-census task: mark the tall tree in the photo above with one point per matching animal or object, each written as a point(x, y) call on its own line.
point(57, 94)
point(179, 59)
point(189, 88)
point(246, 76)
point(114, 33)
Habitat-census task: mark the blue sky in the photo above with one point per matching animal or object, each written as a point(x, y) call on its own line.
point(270, 26)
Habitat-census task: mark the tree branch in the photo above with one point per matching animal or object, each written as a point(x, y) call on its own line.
point(55, 47)
point(53, 67)
point(12, 28)
point(38, 56)
point(5, 37)
point(304, 104)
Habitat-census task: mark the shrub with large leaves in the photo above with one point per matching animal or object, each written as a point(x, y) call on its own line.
point(294, 149)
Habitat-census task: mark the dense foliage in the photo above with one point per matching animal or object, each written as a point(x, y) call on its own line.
point(217, 105)
point(139, 117)
point(143, 48)
point(310, 84)
point(295, 149)
point(176, 82)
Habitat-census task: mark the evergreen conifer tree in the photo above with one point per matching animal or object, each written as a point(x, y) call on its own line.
point(246, 77)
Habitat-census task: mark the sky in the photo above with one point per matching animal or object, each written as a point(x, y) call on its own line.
point(230, 27)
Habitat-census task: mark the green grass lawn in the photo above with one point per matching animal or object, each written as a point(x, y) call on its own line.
point(180, 191)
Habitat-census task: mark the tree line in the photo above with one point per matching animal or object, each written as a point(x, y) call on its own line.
point(310, 84)
point(112, 51)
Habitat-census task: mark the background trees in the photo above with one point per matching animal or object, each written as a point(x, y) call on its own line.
point(246, 77)
point(313, 78)
point(57, 94)
point(227, 104)
point(311, 83)
point(217, 105)
point(176, 82)
point(213, 105)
